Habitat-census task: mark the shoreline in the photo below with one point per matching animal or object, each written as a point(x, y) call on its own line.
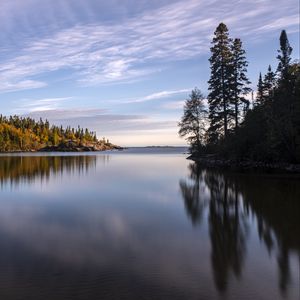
point(245, 165)
point(58, 151)
point(70, 146)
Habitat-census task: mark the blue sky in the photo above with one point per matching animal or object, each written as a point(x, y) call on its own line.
point(124, 67)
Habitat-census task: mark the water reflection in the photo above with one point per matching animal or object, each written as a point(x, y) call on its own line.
point(118, 230)
point(231, 201)
point(17, 169)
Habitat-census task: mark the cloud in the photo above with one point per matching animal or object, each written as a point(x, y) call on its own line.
point(131, 48)
point(158, 95)
point(22, 84)
point(174, 105)
point(61, 113)
point(80, 115)
point(40, 105)
point(107, 124)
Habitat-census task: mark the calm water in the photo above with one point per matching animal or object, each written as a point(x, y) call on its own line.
point(145, 225)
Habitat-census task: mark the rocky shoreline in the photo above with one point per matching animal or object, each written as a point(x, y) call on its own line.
point(71, 146)
point(244, 165)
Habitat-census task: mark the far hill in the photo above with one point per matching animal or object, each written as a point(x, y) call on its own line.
point(25, 134)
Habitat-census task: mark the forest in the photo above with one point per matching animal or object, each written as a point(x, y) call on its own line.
point(26, 134)
point(234, 122)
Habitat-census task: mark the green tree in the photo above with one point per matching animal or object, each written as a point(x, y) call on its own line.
point(269, 82)
point(193, 122)
point(240, 81)
point(55, 138)
point(260, 91)
point(284, 55)
point(266, 86)
point(219, 88)
point(286, 115)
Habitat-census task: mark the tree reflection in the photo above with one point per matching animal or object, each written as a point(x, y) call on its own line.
point(230, 200)
point(193, 194)
point(227, 229)
point(16, 169)
point(275, 202)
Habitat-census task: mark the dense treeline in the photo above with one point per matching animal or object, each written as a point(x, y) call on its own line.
point(268, 129)
point(26, 134)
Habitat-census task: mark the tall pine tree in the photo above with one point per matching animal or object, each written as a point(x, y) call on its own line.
point(269, 82)
point(220, 92)
point(286, 102)
point(260, 91)
point(240, 81)
point(284, 55)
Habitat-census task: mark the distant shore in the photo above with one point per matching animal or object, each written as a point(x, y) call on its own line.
point(244, 165)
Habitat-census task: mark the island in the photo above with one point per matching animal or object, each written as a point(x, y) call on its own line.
point(24, 134)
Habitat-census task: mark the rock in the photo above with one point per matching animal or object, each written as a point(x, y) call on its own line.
point(246, 165)
point(73, 146)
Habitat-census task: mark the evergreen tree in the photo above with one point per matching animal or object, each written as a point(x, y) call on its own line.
point(220, 84)
point(260, 91)
point(284, 55)
point(240, 80)
point(284, 116)
point(269, 82)
point(270, 131)
point(193, 121)
point(286, 103)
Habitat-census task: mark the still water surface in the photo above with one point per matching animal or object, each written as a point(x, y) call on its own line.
point(145, 224)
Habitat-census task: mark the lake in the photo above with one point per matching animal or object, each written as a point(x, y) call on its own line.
point(145, 224)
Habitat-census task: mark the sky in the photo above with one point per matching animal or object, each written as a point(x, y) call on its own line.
point(123, 68)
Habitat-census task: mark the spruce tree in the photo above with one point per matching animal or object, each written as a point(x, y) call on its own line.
point(284, 55)
point(269, 82)
point(240, 81)
point(220, 111)
point(260, 91)
point(286, 102)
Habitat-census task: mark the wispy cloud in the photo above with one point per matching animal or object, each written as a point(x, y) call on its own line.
point(102, 121)
point(158, 95)
point(79, 114)
point(102, 53)
point(20, 84)
point(39, 105)
point(174, 105)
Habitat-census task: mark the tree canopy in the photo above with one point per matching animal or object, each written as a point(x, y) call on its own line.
point(26, 134)
point(192, 124)
point(269, 129)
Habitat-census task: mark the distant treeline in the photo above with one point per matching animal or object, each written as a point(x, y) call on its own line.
point(266, 129)
point(26, 134)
